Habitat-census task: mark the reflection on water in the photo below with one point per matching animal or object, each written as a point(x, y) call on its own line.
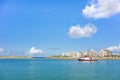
point(88, 62)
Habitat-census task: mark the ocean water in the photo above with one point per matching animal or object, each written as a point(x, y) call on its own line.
point(51, 69)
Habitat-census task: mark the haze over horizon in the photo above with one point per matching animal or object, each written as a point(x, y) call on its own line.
point(53, 27)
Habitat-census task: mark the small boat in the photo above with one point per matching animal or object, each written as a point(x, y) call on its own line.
point(87, 59)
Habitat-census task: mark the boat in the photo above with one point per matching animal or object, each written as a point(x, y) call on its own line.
point(87, 59)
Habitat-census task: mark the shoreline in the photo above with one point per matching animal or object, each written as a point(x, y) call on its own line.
point(98, 58)
point(60, 58)
point(13, 57)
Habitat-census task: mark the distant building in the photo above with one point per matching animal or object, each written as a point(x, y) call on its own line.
point(91, 53)
point(106, 53)
point(73, 54)
point(80, 54)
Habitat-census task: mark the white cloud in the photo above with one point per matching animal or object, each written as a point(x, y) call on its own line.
point(35, 51)
point(1, 50)
point(79, 32)
point(114, 48)
point(102, 8)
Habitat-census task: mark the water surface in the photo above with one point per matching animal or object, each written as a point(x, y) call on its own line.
point(51, 69)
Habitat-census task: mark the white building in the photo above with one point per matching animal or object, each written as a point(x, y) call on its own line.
point(73, 54)
point(91, 53)
point(106, 53)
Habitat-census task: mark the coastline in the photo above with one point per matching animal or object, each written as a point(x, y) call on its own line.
point(98, 58)
point(60, 58)
point(13, 57)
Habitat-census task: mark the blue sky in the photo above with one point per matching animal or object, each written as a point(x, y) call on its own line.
point(57, 26)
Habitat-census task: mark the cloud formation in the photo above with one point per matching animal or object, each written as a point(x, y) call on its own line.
point(35, 51)
point(1, 50)
point(102, 8)
point(114, 48)
point(79, 32)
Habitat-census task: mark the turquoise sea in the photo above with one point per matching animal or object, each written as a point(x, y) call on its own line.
point(51, 69)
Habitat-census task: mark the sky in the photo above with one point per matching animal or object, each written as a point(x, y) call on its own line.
point(52, 27)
